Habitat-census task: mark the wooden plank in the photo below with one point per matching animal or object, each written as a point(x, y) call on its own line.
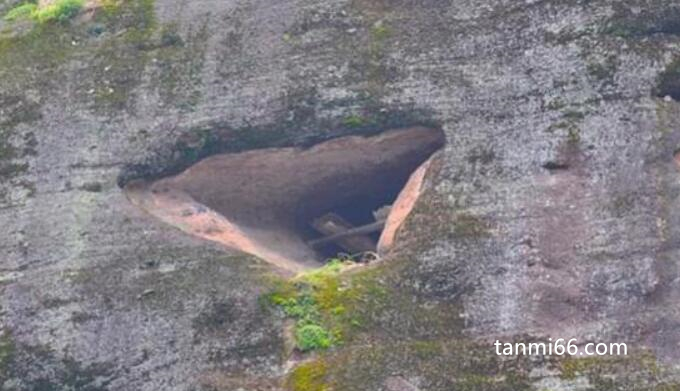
point(341, 232)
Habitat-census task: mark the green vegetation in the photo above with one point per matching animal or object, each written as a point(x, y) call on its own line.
point(309, 377)
point(23, 11)
point(354, 121)
point(324, 305)
point(59, 10)
point(609, 373)
point(571, 368)
point(380, 31)
point(310, 299)
point(378, 72)
point(313, 336)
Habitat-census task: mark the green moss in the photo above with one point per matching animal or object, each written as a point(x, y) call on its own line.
point(59, 10)
point(325, 304)
point(118, 65)
point(446, 365)
point(571, 368)
point(380, 31)
point(37, 58)
point(474, 382)
point(354, 121)
point(306, 299)
point(313, 337)
point(377, 71)
point(638, 370)
point(23, 11)
point(35, 55)
point(427, 349)
point(309, 376)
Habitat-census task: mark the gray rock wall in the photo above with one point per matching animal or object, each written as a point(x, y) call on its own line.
point(553, 210)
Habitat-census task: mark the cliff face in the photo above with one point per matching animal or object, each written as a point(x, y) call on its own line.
point(552, 211)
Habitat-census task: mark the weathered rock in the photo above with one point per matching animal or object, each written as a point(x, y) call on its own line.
point(552, 211)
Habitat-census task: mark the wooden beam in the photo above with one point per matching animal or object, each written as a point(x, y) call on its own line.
point(353, 239)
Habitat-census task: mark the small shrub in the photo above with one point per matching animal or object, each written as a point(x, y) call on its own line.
point(23, 11)
point(312, 337)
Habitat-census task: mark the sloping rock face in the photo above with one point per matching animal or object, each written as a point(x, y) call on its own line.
point(551, 212)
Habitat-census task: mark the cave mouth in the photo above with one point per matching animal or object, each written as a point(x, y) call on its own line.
point(297, 207)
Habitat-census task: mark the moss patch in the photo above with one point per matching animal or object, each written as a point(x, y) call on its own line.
point(438, 365)
point(354, 121)
point(56, 11)
point(309, 377)
point(59, 10)
point(323, 305)
point(117, 66)
point(23, 11)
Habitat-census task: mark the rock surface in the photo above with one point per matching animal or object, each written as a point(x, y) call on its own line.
point(552, 211)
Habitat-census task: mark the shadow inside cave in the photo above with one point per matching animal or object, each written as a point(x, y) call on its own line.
point(280, 203)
